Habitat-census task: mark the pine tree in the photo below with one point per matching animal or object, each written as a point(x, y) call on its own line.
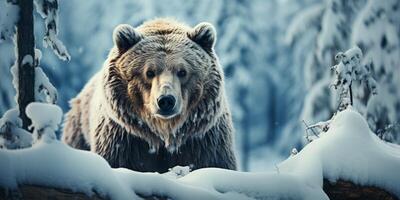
point(350, 70)
point(373, 26)
point(29, 80)
point(376, 31)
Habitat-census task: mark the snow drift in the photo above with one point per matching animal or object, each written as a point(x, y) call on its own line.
point(348, 151)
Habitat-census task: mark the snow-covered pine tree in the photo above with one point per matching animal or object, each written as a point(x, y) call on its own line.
point(334, 28)
point(350, 70)
point(331, 23)
point(376, 30)
point(300, 33)
point(374, 26)
point(8, 20)
point(29, 80)
point(236, 42)
point(48, 10)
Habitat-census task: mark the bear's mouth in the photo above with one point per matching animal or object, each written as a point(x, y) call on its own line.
point(166, 115)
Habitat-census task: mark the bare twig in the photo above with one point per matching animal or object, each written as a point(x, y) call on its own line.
point(311, 128)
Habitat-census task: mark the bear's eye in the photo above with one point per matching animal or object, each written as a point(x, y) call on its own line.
point(150, 74)
point(181, 73)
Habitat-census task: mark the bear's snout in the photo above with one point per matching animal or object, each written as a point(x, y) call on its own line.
point(166, 104)
point(166, 95)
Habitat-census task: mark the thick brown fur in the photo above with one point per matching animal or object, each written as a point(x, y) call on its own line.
point(111, 116)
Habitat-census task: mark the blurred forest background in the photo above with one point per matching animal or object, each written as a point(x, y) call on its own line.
point(276, 55)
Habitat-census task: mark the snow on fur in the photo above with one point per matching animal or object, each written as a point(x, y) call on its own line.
point(348, 151)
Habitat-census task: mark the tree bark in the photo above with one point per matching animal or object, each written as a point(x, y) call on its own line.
point(346, 190)
point(341, 190)
point(25, 46)
point(44, 192)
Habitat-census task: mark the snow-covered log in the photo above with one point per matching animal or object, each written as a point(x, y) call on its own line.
point(350, 191)
point(348, 154)
point(335, 191)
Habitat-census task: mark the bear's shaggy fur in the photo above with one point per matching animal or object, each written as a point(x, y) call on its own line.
point(114, 114)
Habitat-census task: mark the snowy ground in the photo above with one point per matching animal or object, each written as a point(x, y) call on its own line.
point(349, 151)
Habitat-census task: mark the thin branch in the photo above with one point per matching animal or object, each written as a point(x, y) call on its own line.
point(351, 94)
point(311, 128)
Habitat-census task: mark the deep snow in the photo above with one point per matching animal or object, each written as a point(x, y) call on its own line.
point(348, 150)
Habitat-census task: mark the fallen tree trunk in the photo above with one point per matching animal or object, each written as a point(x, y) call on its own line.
point(346, 190)
point(40, 192)
point(340, 190)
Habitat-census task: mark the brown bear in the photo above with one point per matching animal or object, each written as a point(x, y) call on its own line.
point(157, 102)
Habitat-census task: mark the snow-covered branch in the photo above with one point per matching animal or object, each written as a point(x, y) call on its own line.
point(12, 135)
point(307, 19)
point(48, 9)
point(348, 70)
point(9, 17)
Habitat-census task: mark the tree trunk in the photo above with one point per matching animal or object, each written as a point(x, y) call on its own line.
point(25, 47)
point(346, 190)
point(341, 190)
point(351, 95)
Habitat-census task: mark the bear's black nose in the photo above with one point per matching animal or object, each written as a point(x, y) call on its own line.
point(166, 103)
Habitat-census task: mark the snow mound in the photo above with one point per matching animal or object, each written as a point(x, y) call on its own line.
point(57, 165)
point(246, 185)
point(348, 151)
point(178, 171)
point(52, 116)
point(45, 119)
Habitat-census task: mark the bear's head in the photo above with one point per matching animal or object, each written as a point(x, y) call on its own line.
point(164, 80)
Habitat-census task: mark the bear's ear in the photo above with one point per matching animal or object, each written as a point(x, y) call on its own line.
point(125, 36)
point(204, 34)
